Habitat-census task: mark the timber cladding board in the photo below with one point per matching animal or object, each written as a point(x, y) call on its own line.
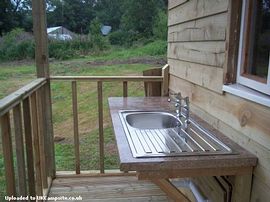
point(251, 119)
point(260, 192)
point(195, 9)
point(210, 53)
point(174, 3)
point(204, 29)
point(203, 75)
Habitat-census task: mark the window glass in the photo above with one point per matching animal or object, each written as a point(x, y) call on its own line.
point(258, 39)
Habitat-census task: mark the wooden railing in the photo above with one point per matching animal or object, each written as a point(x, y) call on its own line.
point(100, 80)
point(26, 107)
point(29, 130)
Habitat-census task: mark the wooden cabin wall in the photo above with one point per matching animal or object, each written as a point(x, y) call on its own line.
point(197, 59)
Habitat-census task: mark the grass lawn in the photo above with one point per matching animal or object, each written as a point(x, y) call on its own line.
point(14, 75)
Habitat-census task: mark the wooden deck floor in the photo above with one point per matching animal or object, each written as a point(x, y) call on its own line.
point(107, 189)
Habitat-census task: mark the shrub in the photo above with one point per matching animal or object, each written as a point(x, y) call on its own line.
point(99, 42)
point(17, 45)
point(155, 48)
point(60, 50)
point(117, 38)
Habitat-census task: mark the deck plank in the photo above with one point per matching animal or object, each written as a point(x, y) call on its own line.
point(108, 189)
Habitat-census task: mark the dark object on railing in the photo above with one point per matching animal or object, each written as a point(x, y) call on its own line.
point(152, 88)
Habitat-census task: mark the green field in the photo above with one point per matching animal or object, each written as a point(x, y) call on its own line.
point(14, 75)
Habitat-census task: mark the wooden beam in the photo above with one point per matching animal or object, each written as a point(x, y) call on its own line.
point(29, 147)
point(232, 41)
point(173, 192)
point(182, 173)
point(8, 154)
point(42, 65)
point(242, 188)
point(76, 126)
point(100, 123)
point(152, 89)
point(125, 88)
point(34, 117)
point(93, 173)
point(41, 39)
point(165, 83)
point(17, 115)
point(42, 138)
point(46, 100)
point(107, 78)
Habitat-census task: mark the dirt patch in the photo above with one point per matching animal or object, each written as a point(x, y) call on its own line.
point(140, 60)
point(18, 63)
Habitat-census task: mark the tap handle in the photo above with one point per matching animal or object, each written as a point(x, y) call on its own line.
point(186, 99)
point(187, 109)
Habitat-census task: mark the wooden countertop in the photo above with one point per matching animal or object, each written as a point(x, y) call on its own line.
point(234, 164)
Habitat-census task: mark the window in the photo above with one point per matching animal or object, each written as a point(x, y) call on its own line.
point(253, 68)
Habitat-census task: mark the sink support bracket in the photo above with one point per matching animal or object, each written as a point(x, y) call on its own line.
point(172, 191)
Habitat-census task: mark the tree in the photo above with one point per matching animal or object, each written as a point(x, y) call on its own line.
point(139, 16)
point(75, 15)
point(109, 12)
point(6, 22)
point(160, 29)
point(98, 41)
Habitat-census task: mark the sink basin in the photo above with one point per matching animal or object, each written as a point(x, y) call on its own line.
point(152, 120)
point(157, 134)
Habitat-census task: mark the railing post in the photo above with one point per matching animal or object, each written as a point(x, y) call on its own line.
point(76, 126)
point(34, 118)
point(100, 123)
point(17, 115)
point(43, 142)
point(125, 88)
point(165, 83)
point(29, 147)
point(8, 154)
point(42, 65)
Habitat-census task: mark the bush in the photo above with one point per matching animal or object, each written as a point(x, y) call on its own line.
point(99, 42)
point(155, 48)
point(60, 50)
point(124, 38)
point(117, 38)
point(17, 45)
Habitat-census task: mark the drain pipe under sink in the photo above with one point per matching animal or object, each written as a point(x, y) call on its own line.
point(187, 183)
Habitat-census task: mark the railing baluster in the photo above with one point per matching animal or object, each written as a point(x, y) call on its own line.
point(100, 123)
point(125, 88)
point(36, 143)
point(41, 132)
point(17, 115)
point(165, 82)
point(8, 154)
point(76, 126)
point(49, 135)
point(29, 147)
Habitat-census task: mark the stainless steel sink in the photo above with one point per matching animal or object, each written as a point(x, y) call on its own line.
point(158, 134)
point(151, 120)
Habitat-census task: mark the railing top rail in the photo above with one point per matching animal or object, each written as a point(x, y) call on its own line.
point(13, 99)
point(107, 78)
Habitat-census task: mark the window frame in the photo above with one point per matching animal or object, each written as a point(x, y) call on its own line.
point(251, 81)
